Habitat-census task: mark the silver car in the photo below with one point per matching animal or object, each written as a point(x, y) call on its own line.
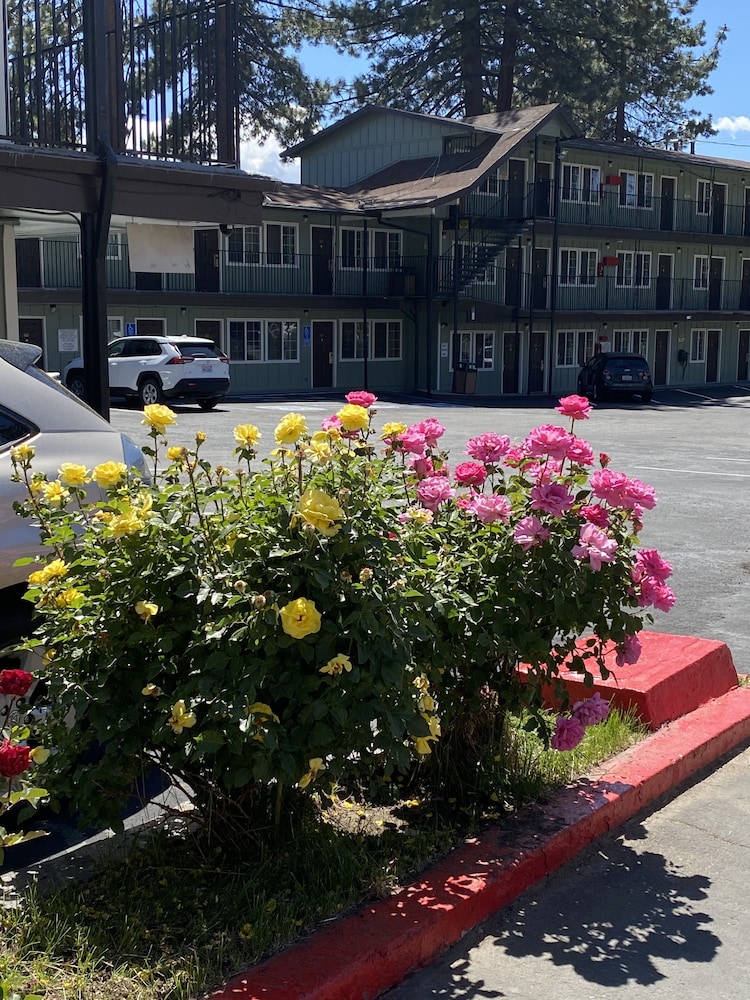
point(37, 410)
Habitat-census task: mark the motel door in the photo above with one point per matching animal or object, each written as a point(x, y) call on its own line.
point(207, 260)
point(536, 361)
point(322, 361)
point(322, 260)
point(712, 356)
point(743, 356)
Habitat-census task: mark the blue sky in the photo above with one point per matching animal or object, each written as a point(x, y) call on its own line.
point(729, 105)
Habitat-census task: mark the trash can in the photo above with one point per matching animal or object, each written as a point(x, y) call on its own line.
point(465, 378)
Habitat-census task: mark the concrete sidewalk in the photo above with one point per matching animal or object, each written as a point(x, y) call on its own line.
point(657, 911)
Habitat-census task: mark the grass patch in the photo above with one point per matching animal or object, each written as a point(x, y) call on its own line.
point(176, 918)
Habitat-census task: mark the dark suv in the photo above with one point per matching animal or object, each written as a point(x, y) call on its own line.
point(613, 373)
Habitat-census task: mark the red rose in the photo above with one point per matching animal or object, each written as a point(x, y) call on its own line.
point(15, 681)
point(14, 759)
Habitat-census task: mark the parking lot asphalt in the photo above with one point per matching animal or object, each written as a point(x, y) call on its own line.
point(692, 446)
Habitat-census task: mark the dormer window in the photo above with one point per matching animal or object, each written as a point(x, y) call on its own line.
point(459, 143)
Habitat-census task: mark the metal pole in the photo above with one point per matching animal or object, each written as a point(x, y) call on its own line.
point(365, 333)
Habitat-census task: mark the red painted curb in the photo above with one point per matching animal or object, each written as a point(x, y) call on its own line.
point(673, 677)
point(360, 956)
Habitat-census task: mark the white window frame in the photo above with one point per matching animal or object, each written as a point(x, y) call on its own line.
point(581, 183)
point(703, 197)
point(698, 340)
point(578, 266)
point(633, 269)
point(474, 344)
point(631, 195)
point(391, 329)
point(701, 271)
point(112, 321)
point(262, 329)
point(113, 251)
point(490, 184)
point(391, 258)
point(255, 240)
point(630, 341)
point(574, 347)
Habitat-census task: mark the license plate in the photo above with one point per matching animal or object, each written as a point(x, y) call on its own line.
point(627, 378)
point(208, 367)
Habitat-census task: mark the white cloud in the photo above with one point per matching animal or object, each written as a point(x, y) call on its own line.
point(264, 159)
point(740, 123)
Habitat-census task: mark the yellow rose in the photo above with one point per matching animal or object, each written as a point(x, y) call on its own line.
point(300, 618)
point(392, 430)
point(125, 524)
point(315, 507)
point(109, 474)
point(337, 665)
point(158, 417)
point(73, 475)
point(67, 597)
point(151, 691)
point(55, 494)
point(246, 435)
point(181, 718)
point(176, 454)
point(146, 609)
point(53, 570)
point(354, 418)
point(23, 453)
point(290, 429)
point(40, 755)
point(316, 765)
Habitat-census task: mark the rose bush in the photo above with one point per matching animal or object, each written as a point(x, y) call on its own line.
point(347, 605)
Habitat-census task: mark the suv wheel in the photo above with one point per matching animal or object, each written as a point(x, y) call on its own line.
point(596, 394)
point(646, 396)
point(149, 391)
point(208, 404)
point(77, 385)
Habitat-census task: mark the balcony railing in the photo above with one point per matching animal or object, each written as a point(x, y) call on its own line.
point(58, 266)
point(603, 208)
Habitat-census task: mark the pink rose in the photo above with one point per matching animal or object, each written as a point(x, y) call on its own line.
point(432, 430)
point(470, 473)
point(552, 498)
point(580, 453)
point(515, 456)
point(568, 733)
point(596, 515)
point(413, 440)
point(629, 651)
point(594, 545)
point(490, 508)
point(548, 440)
point(433, 491)
point(575, 407)
point(360, 397)
point(422, 466)
point(529, 532)
point(639, 496)
point(647, 560)
point(331, 423)
point(604, 459)
point(591, 711)
point(488, 448)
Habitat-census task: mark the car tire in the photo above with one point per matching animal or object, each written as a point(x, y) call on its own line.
point(646, 397)
point(208, 404)
point(77, 384)
point(149, 392)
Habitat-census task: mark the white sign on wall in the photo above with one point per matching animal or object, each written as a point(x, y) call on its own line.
point(67, 341)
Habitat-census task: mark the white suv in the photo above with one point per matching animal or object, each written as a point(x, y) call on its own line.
point(153, 369)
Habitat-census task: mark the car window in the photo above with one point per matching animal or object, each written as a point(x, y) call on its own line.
point(623, 364)
point(206, 350)
point(12, 429)
point(116, 350)
point(137, 348)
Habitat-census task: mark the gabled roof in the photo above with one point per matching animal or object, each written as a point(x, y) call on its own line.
point(431, 180)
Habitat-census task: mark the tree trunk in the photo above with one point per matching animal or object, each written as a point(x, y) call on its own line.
point(620, 122)
point(472, 60)
point(508, 51)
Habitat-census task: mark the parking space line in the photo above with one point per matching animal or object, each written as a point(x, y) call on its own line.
point(695, 472)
